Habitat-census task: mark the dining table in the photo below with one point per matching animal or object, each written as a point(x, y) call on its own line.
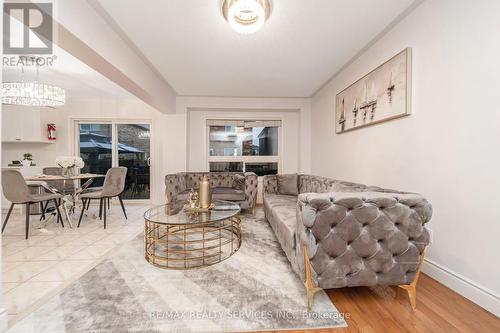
point(69, 200)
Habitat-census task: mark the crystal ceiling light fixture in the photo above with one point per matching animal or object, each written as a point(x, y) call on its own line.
point(246, 16)
point(32, 93)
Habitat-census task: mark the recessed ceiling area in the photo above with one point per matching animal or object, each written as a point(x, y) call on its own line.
point(299, 48)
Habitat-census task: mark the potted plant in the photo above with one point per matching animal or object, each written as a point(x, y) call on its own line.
point(27, 159)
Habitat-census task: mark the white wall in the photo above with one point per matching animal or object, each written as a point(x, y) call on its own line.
point(63, 117)
point(448, 150)
point(198, 136)
point(187, 128)
point(294, 112)
point(109, 53)
point(173, 135)
point(174, 143)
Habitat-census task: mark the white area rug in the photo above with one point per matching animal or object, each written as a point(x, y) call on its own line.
point(254, 290)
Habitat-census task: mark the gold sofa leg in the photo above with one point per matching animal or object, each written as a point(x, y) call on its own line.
point(412, 287)
point(310, 288)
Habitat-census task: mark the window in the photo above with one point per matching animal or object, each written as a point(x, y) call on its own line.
point(104, 145)
point(95, 149)
point(92, 127)
point(262, 169)
point(226, 166)
point(238, 145)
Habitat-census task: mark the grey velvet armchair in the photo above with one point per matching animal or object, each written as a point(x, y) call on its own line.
point(238, 187)
point(17, 192)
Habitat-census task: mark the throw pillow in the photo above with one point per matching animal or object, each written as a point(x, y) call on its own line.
point(239, 182)
point(288, 184)
point(338, 187)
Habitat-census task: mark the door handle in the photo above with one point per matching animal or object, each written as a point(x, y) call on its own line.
point(148, 161)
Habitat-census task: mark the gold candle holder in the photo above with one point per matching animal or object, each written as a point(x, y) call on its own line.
point(205, 193)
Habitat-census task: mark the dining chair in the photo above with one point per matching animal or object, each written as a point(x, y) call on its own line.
point(95, 189)
point(16, 191)
point(114, 184)
point(62, 186)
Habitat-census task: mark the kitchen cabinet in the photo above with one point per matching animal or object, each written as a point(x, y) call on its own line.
point(22, 125)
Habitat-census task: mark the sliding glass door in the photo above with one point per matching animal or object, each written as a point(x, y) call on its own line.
point(96, 149)
point(134, 153)
point(103, 145)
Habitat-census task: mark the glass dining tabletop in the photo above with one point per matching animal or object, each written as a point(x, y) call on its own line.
point(61, 177)
point(174, 214)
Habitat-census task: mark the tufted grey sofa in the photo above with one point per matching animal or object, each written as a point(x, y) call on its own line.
point(349, 234)
point(224, 186)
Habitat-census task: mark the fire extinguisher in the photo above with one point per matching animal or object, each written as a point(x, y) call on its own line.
point(51, 131)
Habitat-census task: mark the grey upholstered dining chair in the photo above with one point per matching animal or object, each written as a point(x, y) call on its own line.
point(94, 189)
point(113, 186)
point(16, 191)
point(62, 186)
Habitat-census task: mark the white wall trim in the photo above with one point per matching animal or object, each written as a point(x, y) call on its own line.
point(4, 319)
point(478, 294)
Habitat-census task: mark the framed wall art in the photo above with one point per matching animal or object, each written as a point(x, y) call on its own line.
point(381, 95)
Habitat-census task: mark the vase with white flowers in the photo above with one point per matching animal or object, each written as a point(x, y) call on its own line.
point(71, 165)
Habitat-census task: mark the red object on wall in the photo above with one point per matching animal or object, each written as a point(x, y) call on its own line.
point(51, 129)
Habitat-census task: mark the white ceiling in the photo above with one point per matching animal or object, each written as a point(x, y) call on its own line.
point(79, 80)
point(300, 47)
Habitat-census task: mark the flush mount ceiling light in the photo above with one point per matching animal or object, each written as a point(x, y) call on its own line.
point(246, 16)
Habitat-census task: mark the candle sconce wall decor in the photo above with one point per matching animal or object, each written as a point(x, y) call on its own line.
point(381, 95)
point(390, 88)
point(355, 113)
point(342, 117)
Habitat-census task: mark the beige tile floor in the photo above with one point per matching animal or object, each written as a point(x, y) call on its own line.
point(35, 269)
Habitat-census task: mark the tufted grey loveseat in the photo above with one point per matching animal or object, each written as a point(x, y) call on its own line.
point(348, 234)
point(223, 184)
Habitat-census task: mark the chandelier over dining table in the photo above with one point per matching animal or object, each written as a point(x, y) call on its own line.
point(32, 94)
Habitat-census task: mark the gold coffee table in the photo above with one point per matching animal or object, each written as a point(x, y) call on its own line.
point(175, 239)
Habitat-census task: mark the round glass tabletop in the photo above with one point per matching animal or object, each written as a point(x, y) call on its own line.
point(175, 215)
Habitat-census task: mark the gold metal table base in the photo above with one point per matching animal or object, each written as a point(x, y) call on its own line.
point(191, 245)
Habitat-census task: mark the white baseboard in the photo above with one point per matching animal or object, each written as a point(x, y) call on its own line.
point(4, 319)
point(478, 294)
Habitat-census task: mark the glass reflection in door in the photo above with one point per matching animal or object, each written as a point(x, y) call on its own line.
point(134, 153)
point(96, 149)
